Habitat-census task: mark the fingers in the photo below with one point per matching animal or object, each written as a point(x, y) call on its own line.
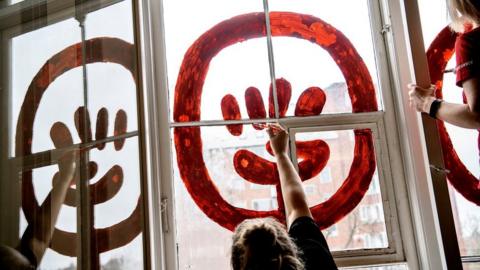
point(274, 129)
point(420, 90)
point(60, 135)
point(270, 132)
point(82, 124)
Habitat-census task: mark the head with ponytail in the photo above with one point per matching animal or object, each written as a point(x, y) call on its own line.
point(263, 244)
point(464, 12)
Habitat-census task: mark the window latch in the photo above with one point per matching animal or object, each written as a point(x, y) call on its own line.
point(386, 28)
point(440, 170)
point(164, 214)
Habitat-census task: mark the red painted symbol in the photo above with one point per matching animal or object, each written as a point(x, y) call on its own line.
point(108, 50)
point(439, 53)
point(187, 102)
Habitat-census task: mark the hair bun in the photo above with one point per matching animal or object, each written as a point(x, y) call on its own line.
point(260, 237)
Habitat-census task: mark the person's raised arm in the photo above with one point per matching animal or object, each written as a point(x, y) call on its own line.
point(293, 195)
point(38, 235)
point(462, 115)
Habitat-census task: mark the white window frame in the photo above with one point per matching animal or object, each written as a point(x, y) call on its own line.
point(394, 251)
point(42, 13)
point(414, 198)
point(160, 108)
point(388, 117)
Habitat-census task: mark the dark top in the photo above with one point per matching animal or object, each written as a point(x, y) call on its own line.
point(467, 50)
point(309, 239)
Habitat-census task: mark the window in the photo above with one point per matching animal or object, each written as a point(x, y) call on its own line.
point(280, 81)
point(70, 85)
point(176, 130)
point(371, 213)
point(331, 231)
point(309, 189)
point(262, 204)
point(375, 186)
point(326, 176)
point(466, 213)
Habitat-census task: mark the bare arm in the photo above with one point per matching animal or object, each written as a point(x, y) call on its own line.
point(293, 195)
point(462, 115)
point(38, 235)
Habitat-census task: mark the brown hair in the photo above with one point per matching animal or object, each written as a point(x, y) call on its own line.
point(263, 243)
point(463, 12)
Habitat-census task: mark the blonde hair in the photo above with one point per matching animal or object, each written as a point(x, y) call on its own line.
point(264, 244)
point(463, 12)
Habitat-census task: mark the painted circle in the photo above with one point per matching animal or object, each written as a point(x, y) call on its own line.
point(439, 53)
point(187, 102)
point(107, 50)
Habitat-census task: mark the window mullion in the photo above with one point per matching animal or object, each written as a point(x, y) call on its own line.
point(322, 120)
point(271, 61)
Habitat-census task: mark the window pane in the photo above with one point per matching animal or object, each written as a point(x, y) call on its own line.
point(235, 174)
point(243, 63)
point(466, 215)
point(118, 205)
point(365, 226)
point(111, 83)
point(301, 60)
point(471, 266)
point(29, 53)
point(60, 254)
point(71, 112)
point(112, 102)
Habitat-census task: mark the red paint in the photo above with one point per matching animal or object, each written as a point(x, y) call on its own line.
point(258, 170)
point(284, 93)
point(187, 100)
point(255, 106)
point(310, 102)
point(438, 55)
point(60, 134)
point(106, 50)
point(231, 111)
point(101, 127)
point(82, 123)
point(120, 128)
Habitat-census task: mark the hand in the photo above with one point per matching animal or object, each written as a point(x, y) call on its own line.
point(278, 139)
point(421, 98)
point(67, 163)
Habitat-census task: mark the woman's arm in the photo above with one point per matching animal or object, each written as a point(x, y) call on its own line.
point(292, 191)
point(462, 115)
point(39, 233)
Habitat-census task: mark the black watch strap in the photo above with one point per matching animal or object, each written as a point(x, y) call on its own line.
point(434, 108)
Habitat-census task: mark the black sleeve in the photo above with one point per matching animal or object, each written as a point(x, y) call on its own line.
point(309, 239)
point(25, 249)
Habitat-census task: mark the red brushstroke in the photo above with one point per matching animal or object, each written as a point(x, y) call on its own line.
point(61, 136)
point(310, 102)
point(82, 124)
point(255, 169)
point(255, 106)
point(231, 111)
point(187, 100)
point(284, 93)
point(120, 128)
point(106, 50)
point(102, 127)
point(438, 54)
